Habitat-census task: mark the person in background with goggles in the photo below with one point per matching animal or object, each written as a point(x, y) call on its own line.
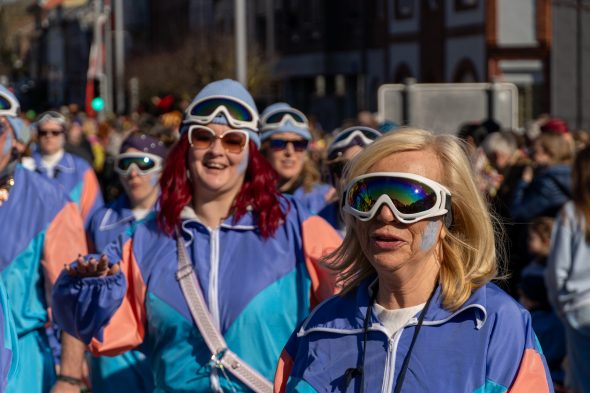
point(346, 144)
point(417, 312)
point(285, 139)
point(73, 173)
point(40, 230)
point(253, 253)
point(139, 165)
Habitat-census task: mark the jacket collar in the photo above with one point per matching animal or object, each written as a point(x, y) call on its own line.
point(189, 219)
point(118, 214)
point(355, 306)
point(65, 165)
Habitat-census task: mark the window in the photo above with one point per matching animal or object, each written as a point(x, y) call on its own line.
point(404, 9)
point(466, 5)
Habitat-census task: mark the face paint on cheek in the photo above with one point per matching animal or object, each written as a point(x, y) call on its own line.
point(154, 179)
point(430, 235)
point(244, 163)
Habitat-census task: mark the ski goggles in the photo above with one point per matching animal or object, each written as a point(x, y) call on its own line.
point(361, 136)
point(410, 197)
point(237, 112)
point(279, 117)
point(8, 105)
point(233, 141)
point(52, 116)
point(299, 145)
point(144, 163)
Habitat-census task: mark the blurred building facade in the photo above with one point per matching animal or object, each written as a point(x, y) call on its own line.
point(329, 57)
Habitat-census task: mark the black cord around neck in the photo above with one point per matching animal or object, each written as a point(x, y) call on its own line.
point(352, 373)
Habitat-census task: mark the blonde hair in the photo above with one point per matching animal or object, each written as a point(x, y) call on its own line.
point(468, 250)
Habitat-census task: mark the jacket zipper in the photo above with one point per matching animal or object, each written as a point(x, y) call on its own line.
point(392, 344)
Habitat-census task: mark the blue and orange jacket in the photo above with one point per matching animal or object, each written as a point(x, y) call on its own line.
point(488, 345)
point(40, 230)
point(78, 180)
point(257, 291)
point(108, 222)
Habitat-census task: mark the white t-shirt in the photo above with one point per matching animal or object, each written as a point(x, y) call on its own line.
point(140, 213)
point(50, 161)
point(394, 320)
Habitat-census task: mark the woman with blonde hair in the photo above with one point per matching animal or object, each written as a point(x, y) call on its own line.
point(417, 310)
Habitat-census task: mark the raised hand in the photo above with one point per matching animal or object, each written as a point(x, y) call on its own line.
point(92, 267)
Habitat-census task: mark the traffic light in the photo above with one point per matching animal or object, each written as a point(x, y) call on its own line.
point(97, 104)
point(94, 101)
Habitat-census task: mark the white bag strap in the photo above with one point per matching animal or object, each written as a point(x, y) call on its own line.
point(222, 357)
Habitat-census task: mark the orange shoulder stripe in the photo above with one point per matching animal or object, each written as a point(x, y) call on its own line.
point(531, 375)
point(319, 239)
point(284, 368)
point(126, 329)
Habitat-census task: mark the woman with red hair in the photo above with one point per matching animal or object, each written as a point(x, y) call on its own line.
point(224, 238)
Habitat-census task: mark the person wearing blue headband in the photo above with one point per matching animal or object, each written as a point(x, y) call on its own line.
point(285, 142)
point(139, 166)
point(213, 285)
point(40, 230)
point(417, 311)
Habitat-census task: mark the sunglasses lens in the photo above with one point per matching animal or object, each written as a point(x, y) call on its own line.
point(276, 118)
point(49, 132)
point(233, 141)
point(278, 144)
point(408, 196)
point(235, 109)
point(299, 145)
point(202, 139)
point(4, 103)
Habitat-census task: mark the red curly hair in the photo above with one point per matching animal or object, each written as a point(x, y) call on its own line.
point(258, 191)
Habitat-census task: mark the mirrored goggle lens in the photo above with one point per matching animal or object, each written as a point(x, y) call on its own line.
point(232, 141)
point(4, 103)
point(236, 110)
point(143, 163)
point(277, 117)
point(281, 144)
point(408, 196)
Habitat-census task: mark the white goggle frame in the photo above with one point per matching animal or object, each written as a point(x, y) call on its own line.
point(141, 172)
point(440, 208)
point(251, 125)
point(287, 117)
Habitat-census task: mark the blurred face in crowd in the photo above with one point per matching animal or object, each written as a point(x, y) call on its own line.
point(140, 187)
point(336, 167)
point(390, 245)
point(540, 156)
point(50, 136)
point(538, 246)
point(214, 170)
point(285, 154)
